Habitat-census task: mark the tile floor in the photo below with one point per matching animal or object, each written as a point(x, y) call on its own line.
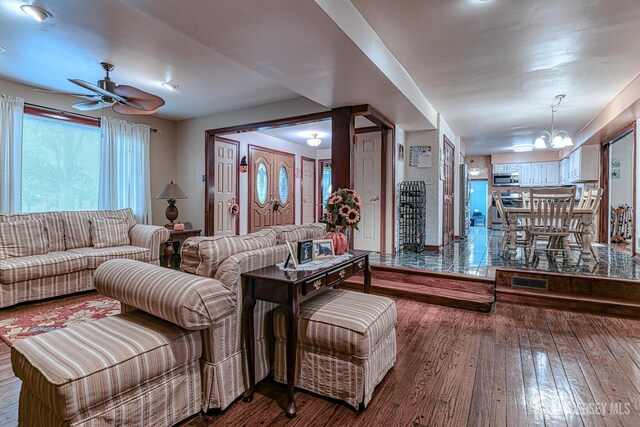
point(478, 254)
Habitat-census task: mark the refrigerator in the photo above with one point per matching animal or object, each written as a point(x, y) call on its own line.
point(465, 208)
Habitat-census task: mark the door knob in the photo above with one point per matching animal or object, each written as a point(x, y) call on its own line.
point(375, 199)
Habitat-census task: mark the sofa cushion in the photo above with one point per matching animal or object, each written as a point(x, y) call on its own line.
point(342, 321)
point(192, 302)
point(96, 256)
point(203, 255)
point(77, 226)
point(52, 221)
point(14, 270)
point(77, 368)
point(295, 233)
point(23, 238)
point(109, 232)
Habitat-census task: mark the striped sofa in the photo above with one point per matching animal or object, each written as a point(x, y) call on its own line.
point(225, 259)
point(43, 255)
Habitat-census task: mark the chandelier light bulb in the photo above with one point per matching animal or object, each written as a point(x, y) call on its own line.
point(567, 142)
point(539, 144)
point(557, 141)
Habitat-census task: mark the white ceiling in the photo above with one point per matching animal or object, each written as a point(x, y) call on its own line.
point(298, 134)
point(491, 68)
point(145, 52)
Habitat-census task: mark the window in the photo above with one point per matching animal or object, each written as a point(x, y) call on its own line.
point(60, 164)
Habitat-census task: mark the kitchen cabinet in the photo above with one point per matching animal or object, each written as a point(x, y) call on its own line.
point(565, 167)
point(506, 168)
point(584, 164)
point(550, 172)
point(525, 175)
point(499, 168)
point(539, 174)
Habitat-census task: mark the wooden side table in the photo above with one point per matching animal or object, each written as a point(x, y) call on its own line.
point(290, 288)
point(172, 246)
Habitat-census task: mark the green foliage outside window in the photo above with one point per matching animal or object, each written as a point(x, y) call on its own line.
point(60, 165)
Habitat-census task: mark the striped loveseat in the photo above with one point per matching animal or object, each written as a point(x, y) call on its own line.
point(225, 259)
point(43, 255)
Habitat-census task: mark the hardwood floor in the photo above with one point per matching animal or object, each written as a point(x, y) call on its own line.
point(517, 366)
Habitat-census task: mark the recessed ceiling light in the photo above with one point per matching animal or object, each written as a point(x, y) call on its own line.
point(522, 148)
point(36, 12)
point(170, 86)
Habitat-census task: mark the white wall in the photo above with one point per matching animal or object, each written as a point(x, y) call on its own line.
point(622, 189)
point(260, 140)
point(190, 147)
point(162, 144)
point(433, 213)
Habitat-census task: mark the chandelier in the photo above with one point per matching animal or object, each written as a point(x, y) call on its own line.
point(555, 138)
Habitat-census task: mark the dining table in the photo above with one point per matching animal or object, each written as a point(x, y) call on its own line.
point(585, 217)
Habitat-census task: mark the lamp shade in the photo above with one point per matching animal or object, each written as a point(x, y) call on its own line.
point(171, 191)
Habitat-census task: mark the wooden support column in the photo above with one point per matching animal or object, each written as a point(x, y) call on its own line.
point(341, 148)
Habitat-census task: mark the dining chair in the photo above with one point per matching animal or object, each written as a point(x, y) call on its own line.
point(590, 200)
point(551, 213)
point(502, 212)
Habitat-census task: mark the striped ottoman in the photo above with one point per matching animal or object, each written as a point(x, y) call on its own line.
point(131, 369)
point(346, 345)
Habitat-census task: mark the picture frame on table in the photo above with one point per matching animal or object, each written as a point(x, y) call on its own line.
point(305, 251)
point(323, 249)
point(291, 258)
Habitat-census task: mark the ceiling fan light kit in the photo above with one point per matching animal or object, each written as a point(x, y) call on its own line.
point(169, 85)
point(36, 12)
point(554, 138)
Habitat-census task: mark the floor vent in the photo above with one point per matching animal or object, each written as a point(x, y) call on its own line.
point(529, 282)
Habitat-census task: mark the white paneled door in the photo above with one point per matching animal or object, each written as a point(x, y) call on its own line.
point(225, 187)
point(368, 185)
point(308, 190)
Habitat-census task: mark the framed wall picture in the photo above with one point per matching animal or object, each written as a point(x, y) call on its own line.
point(323, 249)
point(305, 251)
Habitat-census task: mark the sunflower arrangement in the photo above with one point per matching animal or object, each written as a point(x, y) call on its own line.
point(343, 210)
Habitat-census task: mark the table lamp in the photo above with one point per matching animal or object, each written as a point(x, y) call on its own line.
point(171, 192)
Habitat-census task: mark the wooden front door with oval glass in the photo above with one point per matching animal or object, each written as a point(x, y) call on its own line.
point(271, 188)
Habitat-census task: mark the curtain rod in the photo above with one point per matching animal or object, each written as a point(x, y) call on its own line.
point(70, 113)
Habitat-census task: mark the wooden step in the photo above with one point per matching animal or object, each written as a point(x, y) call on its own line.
point(451, 281)
point(568, 301)
point(475, 301)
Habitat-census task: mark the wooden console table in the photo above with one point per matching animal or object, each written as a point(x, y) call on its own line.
point(290, 288)
point(176, 238)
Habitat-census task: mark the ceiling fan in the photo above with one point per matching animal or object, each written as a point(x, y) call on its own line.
point(122, 99)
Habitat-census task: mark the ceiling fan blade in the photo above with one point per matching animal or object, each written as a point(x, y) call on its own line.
point(63, 92)
point(138, 98)
point(90, 105)
point(97, 89)
point(87, 97)
point(126, 109)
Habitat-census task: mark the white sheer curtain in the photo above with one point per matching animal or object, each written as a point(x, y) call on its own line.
point(11, 113)
point(124, 168)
